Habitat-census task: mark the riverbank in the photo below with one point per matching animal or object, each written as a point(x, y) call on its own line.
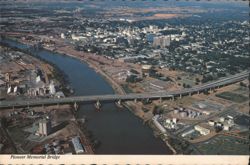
point(149, 123)
point(116, 87)
point(154, 144)
point(56, 112)
point(56, 73)
point(119, 90)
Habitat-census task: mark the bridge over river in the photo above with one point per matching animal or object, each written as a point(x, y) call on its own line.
point(132, 96)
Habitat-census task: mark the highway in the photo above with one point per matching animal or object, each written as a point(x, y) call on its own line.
point(132, 96)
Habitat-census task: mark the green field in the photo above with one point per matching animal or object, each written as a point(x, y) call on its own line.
point(242, 90)
point(232, 97)
point(224, 145)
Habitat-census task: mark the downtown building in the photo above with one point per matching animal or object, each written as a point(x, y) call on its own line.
point(162, 41)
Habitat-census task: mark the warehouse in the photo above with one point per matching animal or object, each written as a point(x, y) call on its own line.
point(77, 145)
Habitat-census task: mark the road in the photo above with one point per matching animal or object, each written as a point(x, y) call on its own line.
point(132, 96)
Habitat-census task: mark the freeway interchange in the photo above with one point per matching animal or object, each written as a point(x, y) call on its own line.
point(133, 96)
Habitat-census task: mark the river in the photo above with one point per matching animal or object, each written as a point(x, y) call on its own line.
point(118, 130)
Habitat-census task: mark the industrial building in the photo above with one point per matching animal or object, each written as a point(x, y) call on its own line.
point(170, 123)
point(226, 127)
point(157, 124)
point(52, 89)
point(223, 123)
point(44, 128)
point(77, 145)
point(187, 133)
point(202, 130)
point(211, 122)
point(187, 113)
point(146, 69)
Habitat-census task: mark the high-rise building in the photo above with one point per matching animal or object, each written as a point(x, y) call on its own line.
point(44, 127)
point(162, 41)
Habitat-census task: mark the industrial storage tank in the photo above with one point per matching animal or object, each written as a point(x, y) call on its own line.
point(183, 114)
point(57, 149)
point(146, 68)
point(52, 89)
point(176, 111)
point(55, 143)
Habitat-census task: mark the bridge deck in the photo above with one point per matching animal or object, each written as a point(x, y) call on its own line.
point(132, 96)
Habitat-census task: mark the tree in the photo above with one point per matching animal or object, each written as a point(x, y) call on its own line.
point(184, 85)
point(197, 80)
point(134, 71)
point(206, 92)
point(4, 122)
point(131, 79)
point(243, 84)
point(207, 78)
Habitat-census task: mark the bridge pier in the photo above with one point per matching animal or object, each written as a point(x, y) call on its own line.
point(98, 105)
point(190, 94)
point(119, 103)
point(160, 100)
point(75, 106)
point(135, 100)
point(172, 98)
point(180, 96)
point(210, 90)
